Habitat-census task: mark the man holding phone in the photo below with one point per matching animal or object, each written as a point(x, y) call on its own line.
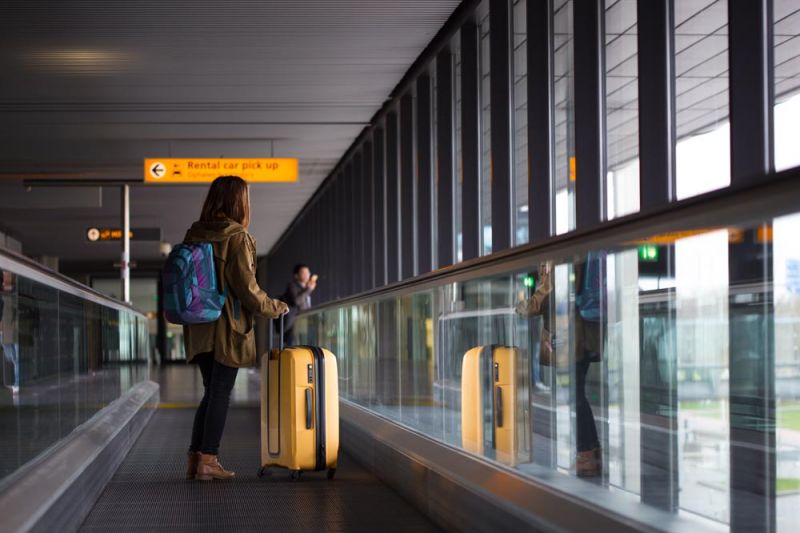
point(298, 298)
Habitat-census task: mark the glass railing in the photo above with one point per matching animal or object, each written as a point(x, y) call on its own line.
point(66, 352)
point(658, 359)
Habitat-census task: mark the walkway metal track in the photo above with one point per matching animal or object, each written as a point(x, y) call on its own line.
point(148, 492)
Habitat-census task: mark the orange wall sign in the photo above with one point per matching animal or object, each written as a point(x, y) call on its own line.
point(168, 170)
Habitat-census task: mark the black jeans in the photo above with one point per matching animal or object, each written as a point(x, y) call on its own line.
point(209, 420)
point(584, 418)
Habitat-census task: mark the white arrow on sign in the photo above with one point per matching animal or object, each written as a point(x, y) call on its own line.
point(157, 170)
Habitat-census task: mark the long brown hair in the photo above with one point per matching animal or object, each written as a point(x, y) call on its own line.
point(228, 197)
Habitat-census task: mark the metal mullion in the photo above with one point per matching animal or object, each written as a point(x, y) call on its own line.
point(357, 234)
point(470, 141)
point(310, 254)
point(424, 177)
point(343, 276)
point(379, 201)
point(660, 485)
point(333, 250)
point(327, 228)
point(501, 140)
point(752, 383)
point(656, 65)
point(330, 293)
point(368, 218)
point(353, 242)
point(341, 237)
point(445, 175)
point(539, 22)
point(407, 236)
point(589, 30)
point(392, 209)
point(322, 266)
point(750, 29)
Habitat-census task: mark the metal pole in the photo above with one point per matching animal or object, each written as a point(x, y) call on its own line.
point(125, 271)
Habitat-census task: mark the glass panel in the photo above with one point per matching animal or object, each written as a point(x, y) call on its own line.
point(486, 133)
point(623, 372)
point(417, 364)
point(701, 288)
point(702, 154)
point(786, 264)
point(63, 358)
point(564, 115)
point(604, 371)
point(622, 109)
point(520, 122)
point(786, 14)
point(144, 297)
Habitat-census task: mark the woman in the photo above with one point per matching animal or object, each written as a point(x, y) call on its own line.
point(220, 348)
point(588, 349)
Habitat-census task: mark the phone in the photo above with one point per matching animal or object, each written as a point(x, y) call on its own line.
point(314, 277)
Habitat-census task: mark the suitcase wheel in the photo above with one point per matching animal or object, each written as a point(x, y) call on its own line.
point(295, 475)
point(264, 471)
point(331, 472)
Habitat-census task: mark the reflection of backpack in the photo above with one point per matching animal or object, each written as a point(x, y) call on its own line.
point(189, 280)
point(592, 296)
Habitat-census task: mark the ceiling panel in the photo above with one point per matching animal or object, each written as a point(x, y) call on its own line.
point(90, 88)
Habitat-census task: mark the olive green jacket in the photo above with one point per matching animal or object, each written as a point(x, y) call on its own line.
point(231, 338)
point(588, 335)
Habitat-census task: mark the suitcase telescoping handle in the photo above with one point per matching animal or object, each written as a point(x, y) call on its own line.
point(271, 339)
point(271, 344)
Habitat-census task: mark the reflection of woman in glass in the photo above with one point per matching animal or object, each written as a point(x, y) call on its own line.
point(9, 351)
point(588, 347)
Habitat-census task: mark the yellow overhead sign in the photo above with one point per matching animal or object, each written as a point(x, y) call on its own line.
point(168, 170)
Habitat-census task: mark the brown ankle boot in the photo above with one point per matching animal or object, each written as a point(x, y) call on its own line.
point(209, 468)
point(191, 464)
point(586, 464)
point(598, 459)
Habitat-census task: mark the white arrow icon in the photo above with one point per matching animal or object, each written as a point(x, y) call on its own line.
point(157, 170)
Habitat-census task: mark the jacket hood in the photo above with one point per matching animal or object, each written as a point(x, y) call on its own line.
point(215, 231)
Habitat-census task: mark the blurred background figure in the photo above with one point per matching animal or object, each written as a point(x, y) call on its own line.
point(298, 298)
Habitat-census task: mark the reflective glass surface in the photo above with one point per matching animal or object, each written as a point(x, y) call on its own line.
point(63, 359)
point(645, 370)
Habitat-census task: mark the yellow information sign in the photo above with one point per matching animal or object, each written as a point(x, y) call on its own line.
point(169, 170)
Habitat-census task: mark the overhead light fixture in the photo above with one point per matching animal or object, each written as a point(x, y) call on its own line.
point(80, 60)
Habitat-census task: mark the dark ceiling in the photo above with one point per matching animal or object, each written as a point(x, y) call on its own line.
point(90, 88)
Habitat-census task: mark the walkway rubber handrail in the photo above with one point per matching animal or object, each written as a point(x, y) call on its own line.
point(28, 268)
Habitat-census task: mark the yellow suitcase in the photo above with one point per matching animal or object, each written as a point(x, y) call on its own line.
point(300, 410)
point(488, 397)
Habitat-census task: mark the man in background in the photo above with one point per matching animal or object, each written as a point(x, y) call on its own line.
point(298, 298)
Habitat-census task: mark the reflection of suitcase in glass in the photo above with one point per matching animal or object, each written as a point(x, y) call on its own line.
point(300, 410)
point(488, 398)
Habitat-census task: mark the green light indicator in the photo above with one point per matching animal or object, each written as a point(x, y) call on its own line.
point(648, 252)
point(529, 281)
